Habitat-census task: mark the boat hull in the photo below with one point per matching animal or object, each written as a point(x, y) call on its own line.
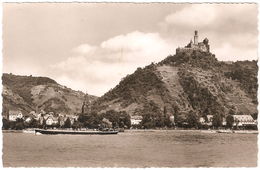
point(66, 132)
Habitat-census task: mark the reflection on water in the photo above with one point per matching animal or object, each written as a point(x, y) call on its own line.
point(131, 149)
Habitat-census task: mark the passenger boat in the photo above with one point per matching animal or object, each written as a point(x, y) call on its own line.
point(208, 131)
point(72, 132)
point(225, 131)
point(29, 131)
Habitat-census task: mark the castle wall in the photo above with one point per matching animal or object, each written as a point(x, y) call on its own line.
point(203, 47)
point(180, 50)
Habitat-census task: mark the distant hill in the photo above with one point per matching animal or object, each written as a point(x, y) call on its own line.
point(186, 81)
point(28, 93)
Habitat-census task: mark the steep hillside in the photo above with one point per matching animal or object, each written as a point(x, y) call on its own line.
point(29, 93)
point(186, 81)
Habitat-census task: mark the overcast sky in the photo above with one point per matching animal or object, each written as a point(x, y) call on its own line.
point(92, 46)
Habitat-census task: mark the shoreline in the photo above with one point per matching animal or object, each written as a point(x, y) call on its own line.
point(146, 130)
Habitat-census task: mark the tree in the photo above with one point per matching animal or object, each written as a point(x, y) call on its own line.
point(6, 124)
point(168, 122)
point(19, 126)
point(76, 125)
point(19, 120)
point(205, 117)
point(67, 123)
point(33, 123)
point(176, 112)
point(44, 122)
point(205, 126)
point(159, 122)
point(164, 111)
point(146, 118)
point(149, 125)
point(192, 119)
point(231, 112)
point(237, 122)
point(230, 121)
point(217, 120)
point(127, 118)
point(255, 116)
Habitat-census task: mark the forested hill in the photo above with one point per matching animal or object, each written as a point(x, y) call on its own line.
point(183, 82)
point(28, 93)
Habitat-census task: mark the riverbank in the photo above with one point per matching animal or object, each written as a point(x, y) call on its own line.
point(191, 130)
point(156, 130)
point(12, 131)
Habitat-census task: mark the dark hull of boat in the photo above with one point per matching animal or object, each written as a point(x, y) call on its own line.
point(66, 132)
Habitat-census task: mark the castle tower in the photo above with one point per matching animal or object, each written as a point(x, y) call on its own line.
point(196, 37)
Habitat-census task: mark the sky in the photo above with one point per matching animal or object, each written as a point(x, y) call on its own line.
point(91, 46)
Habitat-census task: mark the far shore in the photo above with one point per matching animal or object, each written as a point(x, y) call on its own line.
point(137, 130)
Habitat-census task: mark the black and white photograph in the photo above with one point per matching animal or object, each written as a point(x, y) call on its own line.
point(129, 85)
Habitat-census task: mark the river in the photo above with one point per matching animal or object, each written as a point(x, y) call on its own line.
point(131, 149)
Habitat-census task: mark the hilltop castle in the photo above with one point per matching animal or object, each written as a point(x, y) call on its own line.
point(201, 46)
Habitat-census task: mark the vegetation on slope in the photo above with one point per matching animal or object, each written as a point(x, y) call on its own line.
point(207, 86)
point(201, 99)
point(246, 73)
point(199, 59)
point(134, 87)
point(22, 85)
point(27, 93)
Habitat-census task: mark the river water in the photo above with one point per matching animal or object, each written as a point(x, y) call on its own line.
point(131, 149)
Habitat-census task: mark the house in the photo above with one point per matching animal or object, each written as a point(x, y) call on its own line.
point(210, 118)
point(32, 113)
point(71, 120)
point(106, 123)
point(37, 116)
point(135, 120)
point(55, 120)
point(224, 122)
point(243, 120)
point(202, 120)
point(239, 120)
point(172, 119)
point(51, 120)
point(62, 121)
point(75, 117)
point(209, 122)
point(29, 118)
point(13, 115)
